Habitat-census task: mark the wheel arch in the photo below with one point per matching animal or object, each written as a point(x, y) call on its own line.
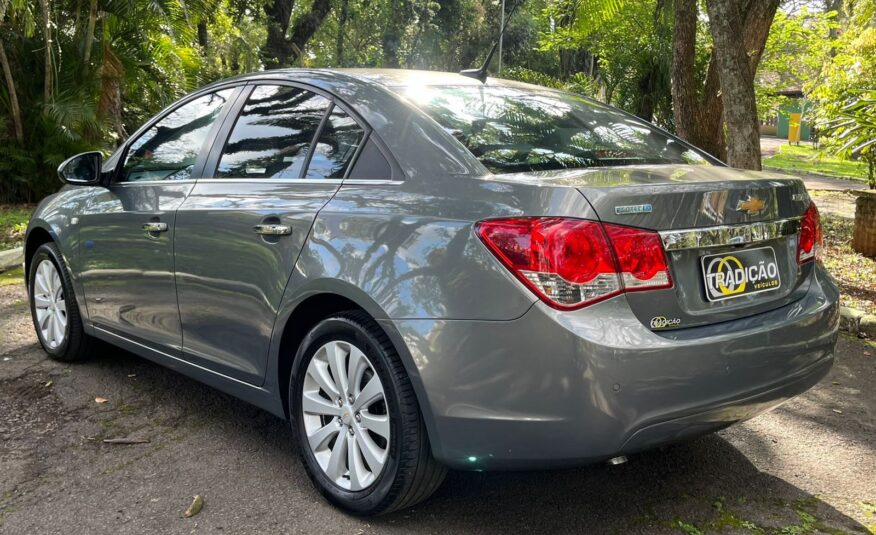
point(300, 316)
point(38, 234)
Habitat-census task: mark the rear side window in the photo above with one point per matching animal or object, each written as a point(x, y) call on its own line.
point(273, 134)
point(168, 150)
point(337, 143)
point(371, 164)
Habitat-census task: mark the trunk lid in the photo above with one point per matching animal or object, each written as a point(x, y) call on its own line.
point(721, 228)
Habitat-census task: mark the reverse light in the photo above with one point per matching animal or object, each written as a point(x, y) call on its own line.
point(570, 263)
point(811, 237)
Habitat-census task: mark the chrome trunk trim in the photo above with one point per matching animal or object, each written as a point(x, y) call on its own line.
point(700, 238)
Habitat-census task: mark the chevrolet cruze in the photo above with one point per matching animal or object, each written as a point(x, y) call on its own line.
point(421, 271)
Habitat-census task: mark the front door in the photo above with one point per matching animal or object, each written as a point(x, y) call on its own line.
point(238, 235)
point(126, 232)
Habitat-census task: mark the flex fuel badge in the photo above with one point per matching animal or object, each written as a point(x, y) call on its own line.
point(741, 273)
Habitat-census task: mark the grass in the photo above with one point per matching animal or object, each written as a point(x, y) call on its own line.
point(12, 277)
point(797, 158)
point(13, 223)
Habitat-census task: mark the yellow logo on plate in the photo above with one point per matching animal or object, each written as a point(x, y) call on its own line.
point(738, 288)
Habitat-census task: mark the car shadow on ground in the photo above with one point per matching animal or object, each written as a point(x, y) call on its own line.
point(703, 485)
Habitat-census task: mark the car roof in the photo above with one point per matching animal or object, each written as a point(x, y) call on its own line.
point(388, 78)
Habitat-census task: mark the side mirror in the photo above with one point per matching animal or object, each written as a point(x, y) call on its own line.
point(82, 170)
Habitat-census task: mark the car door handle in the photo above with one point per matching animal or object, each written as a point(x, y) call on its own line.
point(154, 226)
point(272, 230)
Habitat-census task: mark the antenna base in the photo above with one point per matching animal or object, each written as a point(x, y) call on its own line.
point(477, 74)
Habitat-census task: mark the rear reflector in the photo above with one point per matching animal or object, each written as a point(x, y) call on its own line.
point(570, 263)
point(811, 236)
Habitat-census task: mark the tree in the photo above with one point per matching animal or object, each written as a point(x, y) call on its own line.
point(846, 91)
point(14, 107)
point(631, 50)
point(699, 108)
point(736, 60)
point(280, 50)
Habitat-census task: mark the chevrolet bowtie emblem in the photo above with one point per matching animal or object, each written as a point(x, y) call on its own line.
point(752, 205)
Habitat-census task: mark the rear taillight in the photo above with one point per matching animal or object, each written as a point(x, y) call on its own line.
point(640, 257)
point(811, 237)
point(571, 263)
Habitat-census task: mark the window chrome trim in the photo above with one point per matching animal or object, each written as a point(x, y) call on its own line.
point(311, 181)
point(677, 240)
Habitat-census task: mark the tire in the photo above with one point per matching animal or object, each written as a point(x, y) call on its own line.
point(409, 473)
point(72, 343)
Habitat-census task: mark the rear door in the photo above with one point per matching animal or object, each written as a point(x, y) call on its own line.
point(239, 232)
point(127, 228)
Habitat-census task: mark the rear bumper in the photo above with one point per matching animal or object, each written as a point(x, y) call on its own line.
point(558, 388)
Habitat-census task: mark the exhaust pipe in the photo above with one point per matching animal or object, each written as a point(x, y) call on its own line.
point(614, 461)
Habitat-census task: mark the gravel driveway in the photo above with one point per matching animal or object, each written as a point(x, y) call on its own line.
point(807, 467)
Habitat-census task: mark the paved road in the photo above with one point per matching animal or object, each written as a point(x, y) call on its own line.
point(810, 465)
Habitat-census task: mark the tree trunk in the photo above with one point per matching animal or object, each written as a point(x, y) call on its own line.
point(645, 103)
point(275, 54)
point(89, 31)
point(685, 95)
point(759, 15)
point(203, 36)
point(47, 37)
point(342, 28)
point(737, 62)
point(699, 110)
point(281, 51)
point(109, 103)
point(392, 34)
point(864, 236)
point(14, 108)
point(307, 25)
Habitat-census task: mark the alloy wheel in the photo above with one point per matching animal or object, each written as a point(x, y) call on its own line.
point(345, 415)
point(51, 309)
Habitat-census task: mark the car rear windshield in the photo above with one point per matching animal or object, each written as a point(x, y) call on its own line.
point(512, 130)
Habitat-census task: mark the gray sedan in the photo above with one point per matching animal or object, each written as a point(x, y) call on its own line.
point(421, 271)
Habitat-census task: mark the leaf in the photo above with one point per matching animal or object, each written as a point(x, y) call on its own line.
point(100, 400)
point(195, 507)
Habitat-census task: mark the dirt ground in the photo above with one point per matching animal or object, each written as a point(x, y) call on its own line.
point(807, 467)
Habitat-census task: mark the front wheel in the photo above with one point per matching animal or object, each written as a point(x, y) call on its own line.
point(357, 421)
point(53, 306)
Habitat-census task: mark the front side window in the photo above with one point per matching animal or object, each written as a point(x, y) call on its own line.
point(273, 133)
point(168, 150)
point(337, 143)
point(514, 130)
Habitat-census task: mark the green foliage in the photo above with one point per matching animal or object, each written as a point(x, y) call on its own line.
point(794, 55)
point(852, 133)
point(112, 68)
point(578, 83)
point(13, 224)
point(846, 92)
point(634, 49)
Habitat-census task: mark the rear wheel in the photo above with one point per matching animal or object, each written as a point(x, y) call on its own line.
point(53, 306)
point(357, 421)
